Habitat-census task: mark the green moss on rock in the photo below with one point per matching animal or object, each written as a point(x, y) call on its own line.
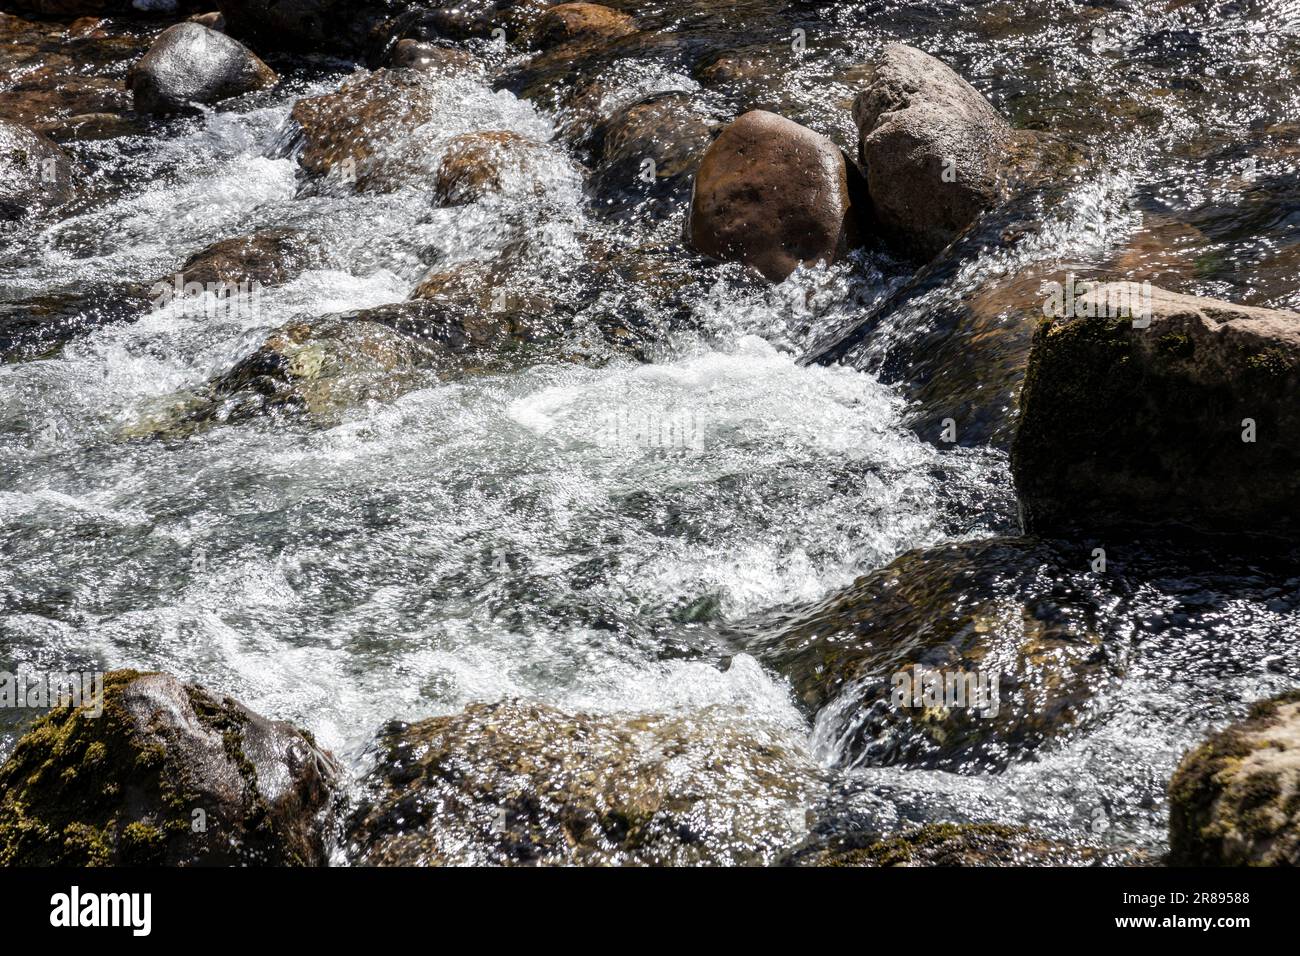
point(123, 787)
point(1235, 799)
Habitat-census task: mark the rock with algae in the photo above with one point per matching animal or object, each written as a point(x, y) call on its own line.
point(523, 783)
point(168, 774)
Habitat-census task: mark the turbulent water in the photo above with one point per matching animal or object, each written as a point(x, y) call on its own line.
point(481, 538)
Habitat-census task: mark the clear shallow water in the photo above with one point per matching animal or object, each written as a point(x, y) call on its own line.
point(496, 536)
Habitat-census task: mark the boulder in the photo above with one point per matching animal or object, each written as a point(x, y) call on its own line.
point(353, 136)
point(479, 164)
point(35, 174)
point(168, 774)
point(524, 783)
point(190, 64)
point(316, 371)
point(773, 195)
point(567, 23)
point(213, 21)
point(1143, 407)
point(936, 153)
point(267, 257)
point(1011, 623)
point(1235, 800)
point(952, 844)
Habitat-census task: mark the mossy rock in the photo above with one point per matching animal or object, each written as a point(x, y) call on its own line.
point(1014, 614)
point(1235, 799)
point(169, 774)
point(953, 844)
point(312, 371)
point(1184, 417)
point(518, 783)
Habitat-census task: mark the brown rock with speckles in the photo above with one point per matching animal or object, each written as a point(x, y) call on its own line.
point(772, 194)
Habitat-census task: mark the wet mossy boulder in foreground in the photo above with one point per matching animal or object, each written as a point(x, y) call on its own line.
point(168, 774)
point(190, 64)
point(1235, 800)
point(773, 194)
point(523, 783)
point(1009, 622)
point(1161, 409)
point(952, 844)
point(936, 153)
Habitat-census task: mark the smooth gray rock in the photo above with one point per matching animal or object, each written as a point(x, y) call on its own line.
point(189, 64)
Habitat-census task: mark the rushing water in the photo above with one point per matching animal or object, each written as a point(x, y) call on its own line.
point(479, 538)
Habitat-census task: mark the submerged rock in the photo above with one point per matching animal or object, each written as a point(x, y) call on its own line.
point(1141, 406)
point(316, 370)
point(35, 174)
point(478, 164)
point(963, 658)
point(523, 783)
point(773, 194)
point(935, 152)
point(267, 257)
point(567, 23)
point(952, 844)
point(169, 774)
point(189, 64)
point(415, 55)
point(646, 153)
point(352, 134)
point(1235, 800)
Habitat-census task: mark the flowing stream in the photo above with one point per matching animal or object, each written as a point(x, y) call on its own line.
point(481, 538)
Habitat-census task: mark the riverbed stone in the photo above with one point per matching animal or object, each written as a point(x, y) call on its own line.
point(1142, 407)
point(934, 150)
point(1011, 612)
point(190, 64)
point(35, 174)
point(773, 195)
point(352, 137)
point(569, 23)
point(646, 152)
point(170, 774)
point(267, 257)
point(523, 783)
point(1235, 799)
point(479, 164)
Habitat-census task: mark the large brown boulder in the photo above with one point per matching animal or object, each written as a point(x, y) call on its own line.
point(1142, 406)
point(934, 150)
point(479, 164)
point(168, 774)
point(1235, 800)
point(190, 64)
point(772, 194)
point(524, 783)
